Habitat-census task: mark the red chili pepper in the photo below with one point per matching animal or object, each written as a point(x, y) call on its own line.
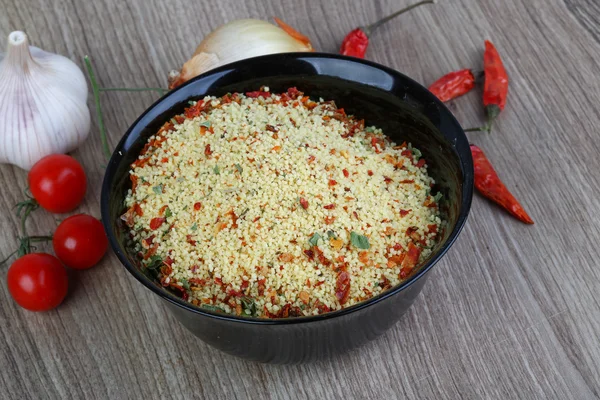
point(356, 42)
point(495, 88)
point(489, 184)
point(453, 85)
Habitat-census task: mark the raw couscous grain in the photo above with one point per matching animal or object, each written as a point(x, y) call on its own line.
point(276, 205)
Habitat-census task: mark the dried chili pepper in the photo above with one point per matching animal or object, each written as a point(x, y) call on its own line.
point(453, 85)
point(489, 184)
point(495, 88)
point(356, 42)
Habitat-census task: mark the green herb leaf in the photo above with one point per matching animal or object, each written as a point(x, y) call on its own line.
point(216, 170)
point(158, 189)
point(205, 124)
point(249, 306)
point(168, 213)
point(155, 262)
point(185, 283)
point(370, 129)
point(416, 153)
point(331, 234)
point(210, 307)
point(438, 196)
point(314, 239)
point(239, 168)
point(192, 103)
point(194, 227)
point(359, 241)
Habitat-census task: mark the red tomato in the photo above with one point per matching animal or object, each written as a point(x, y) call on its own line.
point(37, 281)
point(58, 183)
point(80, 241)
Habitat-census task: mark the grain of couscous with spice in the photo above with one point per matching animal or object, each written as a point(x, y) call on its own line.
point(275, 205)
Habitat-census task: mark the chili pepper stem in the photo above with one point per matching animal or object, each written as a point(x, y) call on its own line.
point(484, 128)
point(369, 29)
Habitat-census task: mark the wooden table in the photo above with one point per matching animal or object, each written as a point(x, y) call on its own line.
point(512, 311)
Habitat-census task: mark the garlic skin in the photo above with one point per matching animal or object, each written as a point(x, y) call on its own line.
point(43, 103)
point(234, 41)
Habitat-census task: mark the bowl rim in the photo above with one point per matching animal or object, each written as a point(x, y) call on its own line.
point(467, 194)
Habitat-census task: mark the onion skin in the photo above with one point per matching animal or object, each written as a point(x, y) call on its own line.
point(238, 40)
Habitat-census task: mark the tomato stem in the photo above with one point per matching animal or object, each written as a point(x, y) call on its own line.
point(39, 238)
point(24, 209)
point(9, 256)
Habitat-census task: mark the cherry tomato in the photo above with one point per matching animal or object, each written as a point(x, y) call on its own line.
point(37, 281)
point(80, 241)
point(58, 183)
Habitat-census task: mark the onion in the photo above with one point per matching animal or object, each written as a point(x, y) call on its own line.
point(238, 40)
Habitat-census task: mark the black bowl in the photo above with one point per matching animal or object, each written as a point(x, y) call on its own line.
point(404, 109)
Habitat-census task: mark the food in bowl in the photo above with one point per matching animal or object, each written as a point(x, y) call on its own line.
point(277, 205)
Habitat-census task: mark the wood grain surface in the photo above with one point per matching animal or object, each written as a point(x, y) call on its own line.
point(512, 312)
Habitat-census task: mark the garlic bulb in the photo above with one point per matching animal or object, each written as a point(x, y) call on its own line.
point(236, 41)
point(43, 103)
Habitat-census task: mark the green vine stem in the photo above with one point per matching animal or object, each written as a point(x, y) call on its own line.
point(96, 93)
point(160, 91)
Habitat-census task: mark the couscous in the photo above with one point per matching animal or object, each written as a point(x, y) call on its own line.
point(275, 205)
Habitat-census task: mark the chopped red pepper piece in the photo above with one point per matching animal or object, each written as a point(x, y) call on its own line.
point(258, 93)
point(303, 203)
point(410, 260)
point(155, 223)
point(342, 287)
